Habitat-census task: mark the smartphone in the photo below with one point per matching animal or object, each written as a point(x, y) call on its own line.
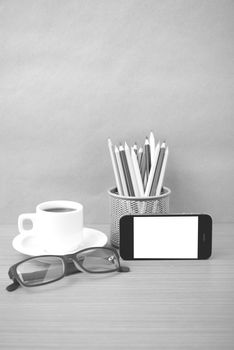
point(176, 236)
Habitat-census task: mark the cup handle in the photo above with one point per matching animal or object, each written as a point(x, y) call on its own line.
point(22, 218)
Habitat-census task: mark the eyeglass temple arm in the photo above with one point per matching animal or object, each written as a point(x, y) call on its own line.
point(15, 283)
point(13, 286)
point(121, 268)
point(124, 269)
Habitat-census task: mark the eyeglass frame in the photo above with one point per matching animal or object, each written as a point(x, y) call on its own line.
point(67, 260)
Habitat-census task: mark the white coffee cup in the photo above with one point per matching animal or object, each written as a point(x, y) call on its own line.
point(58, 225)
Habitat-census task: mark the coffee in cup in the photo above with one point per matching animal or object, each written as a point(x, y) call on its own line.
point(59, 210)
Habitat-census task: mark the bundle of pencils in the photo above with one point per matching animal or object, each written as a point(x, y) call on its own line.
point(139, 171)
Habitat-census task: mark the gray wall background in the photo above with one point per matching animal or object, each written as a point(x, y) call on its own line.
point(76, 72)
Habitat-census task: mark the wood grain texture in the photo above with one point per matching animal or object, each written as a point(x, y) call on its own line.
point(158, 305)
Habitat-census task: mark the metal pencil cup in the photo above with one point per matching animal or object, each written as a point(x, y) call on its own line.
point(121, 206)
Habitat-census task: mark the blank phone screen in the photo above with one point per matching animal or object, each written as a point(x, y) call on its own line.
point(165, 237)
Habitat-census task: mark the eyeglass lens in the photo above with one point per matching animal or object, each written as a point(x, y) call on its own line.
point(98, 260)
point(40, 270)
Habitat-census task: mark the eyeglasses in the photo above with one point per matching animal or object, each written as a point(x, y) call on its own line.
point(44, 269)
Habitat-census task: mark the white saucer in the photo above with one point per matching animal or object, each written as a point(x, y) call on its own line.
point(29, 243)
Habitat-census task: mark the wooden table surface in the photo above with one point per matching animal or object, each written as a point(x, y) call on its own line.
point(158, 305)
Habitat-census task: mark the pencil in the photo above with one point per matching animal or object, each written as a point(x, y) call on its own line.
point(135, 147)
point(115, 168)
point(131, 170)
point(147, 158)
point(140, 153)
point(161, 178)
point(152, 145)
point(137, 173)
point(152, 170)
point(142, 166)
point(158, 170)
point(126, 171)
point(121, 172)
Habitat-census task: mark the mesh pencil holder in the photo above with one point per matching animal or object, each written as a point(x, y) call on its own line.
point(121, 206)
